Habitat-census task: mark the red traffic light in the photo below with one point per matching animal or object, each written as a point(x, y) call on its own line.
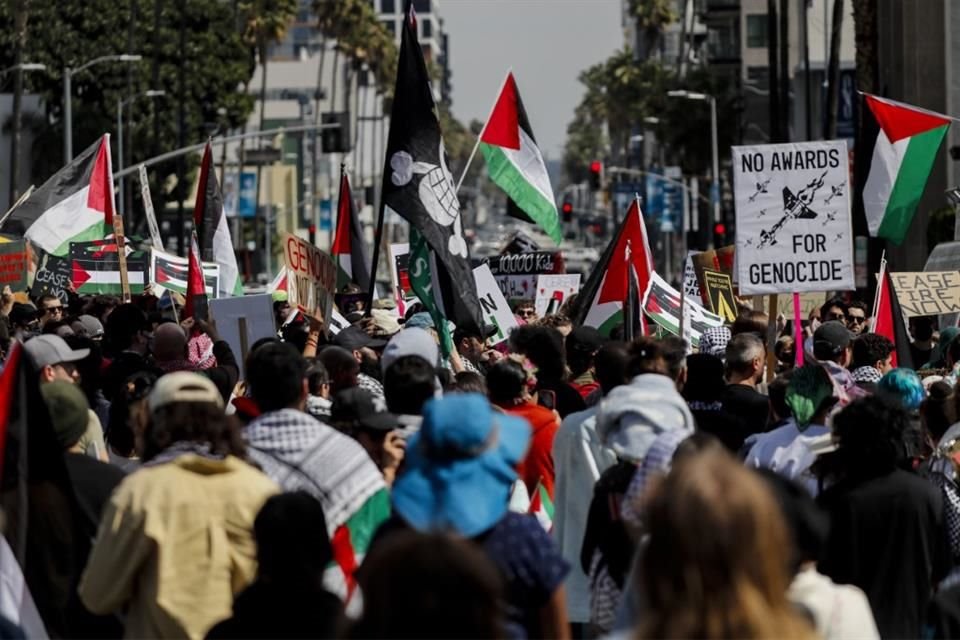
point(567, 207)
point(312, 228)
point(596, 166)
point(720, 229)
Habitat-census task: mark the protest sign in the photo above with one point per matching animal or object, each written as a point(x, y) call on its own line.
point(169, 272)
point(720, 294)
point(516, 273)
point(927, 293)
point(808, 302)
point(52, 277)
point(661, 303)
point(400, 276)
point(13, 265)
point(691, 287)
point(312, 277)
point(243, 320)
point(148, 211)
point(793, 218)
point(493, 304)
point(553, 291)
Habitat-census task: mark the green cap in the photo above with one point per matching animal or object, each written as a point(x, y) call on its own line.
point(69, 411)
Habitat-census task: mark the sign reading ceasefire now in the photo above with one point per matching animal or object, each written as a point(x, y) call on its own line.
point(927, 293)
point(312, 277)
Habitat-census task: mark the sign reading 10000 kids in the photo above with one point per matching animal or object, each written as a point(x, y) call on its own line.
point(793, 217)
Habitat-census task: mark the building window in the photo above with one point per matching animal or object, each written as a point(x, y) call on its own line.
point(421, 6)
point(757, 31)
point(388, 6)
point(427, 28)
point(390, 26)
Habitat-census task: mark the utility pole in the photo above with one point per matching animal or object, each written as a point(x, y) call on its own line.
point(20, 28)
point(773, 71)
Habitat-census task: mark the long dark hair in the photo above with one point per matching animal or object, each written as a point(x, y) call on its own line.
point(200, 422)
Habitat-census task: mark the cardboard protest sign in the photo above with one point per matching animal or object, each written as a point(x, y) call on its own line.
point(516, 273)
point(493, 304)
point(169, 272)
point(719, 289)
point(52, 277)
point(553, 291)
point(312, 277)
point(661, 303)
point(691, 287)
point(793, 218)
point(808, 302)
point(927, 293)
point(243, 320)
point(13, 265)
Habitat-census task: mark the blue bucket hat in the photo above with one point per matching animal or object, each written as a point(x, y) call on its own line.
point(460, 466)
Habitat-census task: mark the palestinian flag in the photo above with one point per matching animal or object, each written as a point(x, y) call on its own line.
point(906, 146)
point(602, 299)
point(279, 283)
point(418, 187)
point(168, 271)
point(515, 163)
point(74, 205)
point(888, 320)
point(541, 506)
point(351, 540)
point(196, 299)
point(347, 249)
point(95, 268)
point(213, 233)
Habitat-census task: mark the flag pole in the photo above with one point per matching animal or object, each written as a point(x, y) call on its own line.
point(476, 145)
point(377, 241)
point(882, 275)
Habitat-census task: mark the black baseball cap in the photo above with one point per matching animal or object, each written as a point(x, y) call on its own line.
point(585, 340)
point(830, 339)
point(23, 314)
point(353, 337)
point(361, 408)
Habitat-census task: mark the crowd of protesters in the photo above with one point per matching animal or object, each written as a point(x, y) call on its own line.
point(557, 484)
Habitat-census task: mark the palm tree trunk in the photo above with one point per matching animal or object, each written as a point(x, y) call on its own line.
point(20, 40)
point(833, 73)
point(262, 46)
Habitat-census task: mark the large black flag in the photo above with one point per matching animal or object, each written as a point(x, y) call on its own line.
point(419, 187)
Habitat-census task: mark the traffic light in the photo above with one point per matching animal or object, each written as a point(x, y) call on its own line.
point(567, 210)
point(719, 234)
point(335, 139)
point(596, 175)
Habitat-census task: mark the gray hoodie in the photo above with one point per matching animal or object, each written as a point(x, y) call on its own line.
point(633, 415)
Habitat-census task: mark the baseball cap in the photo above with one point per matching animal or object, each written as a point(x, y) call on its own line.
point(584, 339)
point(88, 327)
point(830, 339)
point(354, 337)
point(69, 411)
point(359, 406)
point(183, 386)
point(48, 350)
point(410, 342)
point(385, 321)
point(460, 466)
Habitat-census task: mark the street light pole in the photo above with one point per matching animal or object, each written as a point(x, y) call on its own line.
point(68, 74)
point(121, 105)
point(715, 195)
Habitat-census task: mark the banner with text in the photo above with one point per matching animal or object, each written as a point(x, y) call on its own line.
point(927, 293)
point(312, 277)
point(13, 265)
point(793, 217)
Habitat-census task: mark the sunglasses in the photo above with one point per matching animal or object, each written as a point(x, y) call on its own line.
point(526, 313)
point(57, 309)
point(857, 319)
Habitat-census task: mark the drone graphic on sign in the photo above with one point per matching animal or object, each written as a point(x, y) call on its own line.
point(795, 207)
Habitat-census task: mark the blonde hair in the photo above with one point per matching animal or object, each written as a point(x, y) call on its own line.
point(717, 561)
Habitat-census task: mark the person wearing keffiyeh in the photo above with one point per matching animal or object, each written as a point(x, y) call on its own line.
point(872, 355)
point(301, 453)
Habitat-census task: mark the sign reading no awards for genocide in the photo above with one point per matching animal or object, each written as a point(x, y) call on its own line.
point(312, 277)
point(927, 293)
point(793, 217)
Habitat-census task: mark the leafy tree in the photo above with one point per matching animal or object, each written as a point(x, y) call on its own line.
point(651, 17)
point(216, 60)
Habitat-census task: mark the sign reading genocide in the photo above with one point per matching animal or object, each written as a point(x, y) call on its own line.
point(13, 265)
point(793, 218)
point(720, 294)
point(927, 293)
point(311, 279)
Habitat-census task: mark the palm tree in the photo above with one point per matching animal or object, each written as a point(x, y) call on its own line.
point(651, 17)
